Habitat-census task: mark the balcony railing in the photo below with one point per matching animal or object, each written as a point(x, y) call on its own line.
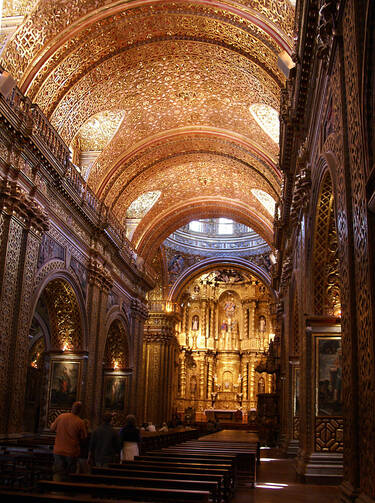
point(44, 135)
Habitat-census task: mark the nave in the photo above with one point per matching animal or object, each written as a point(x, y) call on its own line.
point(187, 223)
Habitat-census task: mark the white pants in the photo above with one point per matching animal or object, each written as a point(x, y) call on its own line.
point(129, 450)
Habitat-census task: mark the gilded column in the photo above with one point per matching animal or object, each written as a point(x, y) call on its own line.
point(245, 381)
point(246, 320)
point(22, 223)
point(212, 320)
point(204, 319)
point(183, 375)
point(159, 378)
point(252, 383)
point(210, 375)
point(186, 324)
point(252, 319)
point(202, 393)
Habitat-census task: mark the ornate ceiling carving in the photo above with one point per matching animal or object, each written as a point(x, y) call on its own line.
point(38, 33)
point(187, 148)
point(167, 85)
point(98, 131)
point(13, 8)
point(184, 75)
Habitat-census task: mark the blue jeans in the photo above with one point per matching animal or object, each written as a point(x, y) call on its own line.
point(62, 466)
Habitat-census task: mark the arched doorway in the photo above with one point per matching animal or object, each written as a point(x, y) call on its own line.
point(56, 356)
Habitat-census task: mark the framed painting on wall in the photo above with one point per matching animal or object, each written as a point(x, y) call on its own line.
point(64, 383)
point(115, 392)
point(328, 376)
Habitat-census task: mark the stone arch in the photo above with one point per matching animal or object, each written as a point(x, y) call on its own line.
point(203, 265)
point(55, 271)
point(148, 237)
point(57, 324)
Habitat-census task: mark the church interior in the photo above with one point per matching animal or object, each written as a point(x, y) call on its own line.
point(187, 211)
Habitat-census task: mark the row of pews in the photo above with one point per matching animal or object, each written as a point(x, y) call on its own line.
point(196, 470)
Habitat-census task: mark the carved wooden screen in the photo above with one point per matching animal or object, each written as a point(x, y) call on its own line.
point(116, 351)
point(326, 293)
point(64, 315)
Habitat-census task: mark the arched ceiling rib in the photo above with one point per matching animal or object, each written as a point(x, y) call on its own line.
point(157, 227)
point(39, 38)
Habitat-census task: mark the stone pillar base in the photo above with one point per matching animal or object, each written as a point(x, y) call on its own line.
point(292, 448)
point(320, 468)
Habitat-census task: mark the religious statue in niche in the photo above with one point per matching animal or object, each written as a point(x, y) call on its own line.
point(195, 322)
point(193, 386)
point(229, 325)
point(262, 324)
point(229, 308)
point(224, 326)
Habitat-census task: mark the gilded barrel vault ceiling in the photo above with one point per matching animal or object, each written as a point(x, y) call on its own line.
point(180, 97)
point(186, 149)
point(168, 85)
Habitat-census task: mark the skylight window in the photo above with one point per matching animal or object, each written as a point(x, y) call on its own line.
point(196, 226)
point(268, 119)
point(225, 226)
point(267, 200)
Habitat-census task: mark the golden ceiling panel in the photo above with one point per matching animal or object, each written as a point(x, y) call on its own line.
point(38, 34)
point(197, 81)
point(18, 7)
point(182, 149)
point(198, 177)
point(122, 32)
point(98, 130)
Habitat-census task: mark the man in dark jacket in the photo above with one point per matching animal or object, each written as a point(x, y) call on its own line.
point(104, 443)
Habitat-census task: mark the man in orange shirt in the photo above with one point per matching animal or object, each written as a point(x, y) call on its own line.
point(70, 430)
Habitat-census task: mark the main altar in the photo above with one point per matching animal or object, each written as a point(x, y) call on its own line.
point(226, 326)
point(224, 415)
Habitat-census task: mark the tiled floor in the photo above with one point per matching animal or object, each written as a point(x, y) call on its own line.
point(277, 484)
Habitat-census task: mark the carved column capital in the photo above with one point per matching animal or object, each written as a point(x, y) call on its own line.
point(99, 275)
point(139, 309)
point(15, 201)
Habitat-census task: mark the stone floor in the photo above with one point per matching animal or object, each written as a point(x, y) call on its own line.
point(276, 483)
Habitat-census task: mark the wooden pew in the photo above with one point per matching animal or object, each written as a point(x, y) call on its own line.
point(153, 482)
point(126, 491)
point(182, 475)
point(17, 496)
point(228, 462)
point(188, 468)
point(247, 457)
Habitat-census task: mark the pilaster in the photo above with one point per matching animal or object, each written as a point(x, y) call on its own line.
point(100, 282)
point(22, 223)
